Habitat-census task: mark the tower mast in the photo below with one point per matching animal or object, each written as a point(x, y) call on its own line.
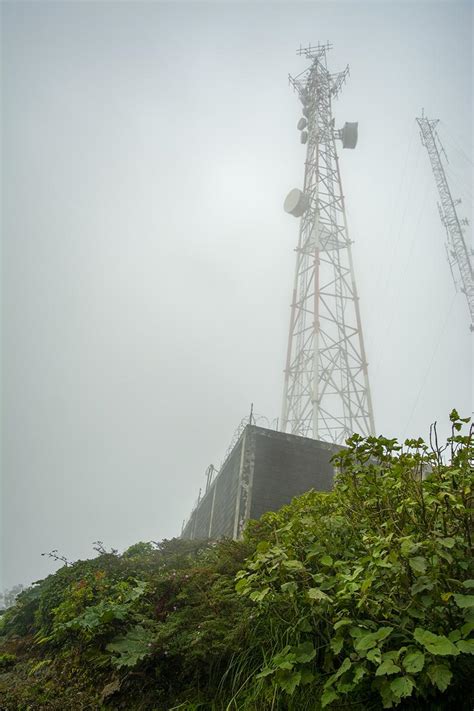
point(459, 256)
point(326, 388)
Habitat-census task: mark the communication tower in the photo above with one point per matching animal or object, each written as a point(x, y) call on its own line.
point(326, 388)
point(459, 256)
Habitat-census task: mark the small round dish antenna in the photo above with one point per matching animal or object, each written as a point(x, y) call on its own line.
point(349, 135)
point(296, 203)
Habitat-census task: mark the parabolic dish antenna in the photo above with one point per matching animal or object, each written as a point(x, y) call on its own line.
point(296, 202)
point(349, 135)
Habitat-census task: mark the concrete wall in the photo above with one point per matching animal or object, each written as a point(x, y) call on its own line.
point(286, 466)
point(264, 471)
point(215, 514)
point(226, 484)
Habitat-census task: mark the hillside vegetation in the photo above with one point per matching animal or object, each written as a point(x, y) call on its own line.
point(362, 598)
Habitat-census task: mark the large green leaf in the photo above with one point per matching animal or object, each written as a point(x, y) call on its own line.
point(422, 583)
point(374, 655)
point(383, 632)
point(464, 600)
point(326, 560)
point(293, 564)
point(440, 675)
point(328, 696)
point(418, 564)
point(336, 644)
point(447, 542)
point(132, 647)
point(241, 585)
point(436, 644)
point(304, 652)
point(368, 641)
point(317, 594)
point(386, 668)
point(414, 662)
point(258, 595)
point(288, 680)
point(402, 686)
point(467, 628)
point(345, 666)
point(342, 623)
point(359, 672)
point(408, 546)
point(284, 659)
point(466, 646)
point(95, 616)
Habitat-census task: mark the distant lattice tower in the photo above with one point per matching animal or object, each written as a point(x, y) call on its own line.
point(326, 389)
point(457, 250)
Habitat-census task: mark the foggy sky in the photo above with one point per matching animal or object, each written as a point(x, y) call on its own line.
point(148, 263)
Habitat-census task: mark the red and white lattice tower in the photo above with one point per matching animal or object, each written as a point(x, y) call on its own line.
point(326, 391)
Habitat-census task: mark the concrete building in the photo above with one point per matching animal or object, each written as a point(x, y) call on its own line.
point(263, 472)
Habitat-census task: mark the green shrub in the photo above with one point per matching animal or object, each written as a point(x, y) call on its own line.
point(368, 589)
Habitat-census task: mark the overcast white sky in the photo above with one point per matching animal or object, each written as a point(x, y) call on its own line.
point(147, 260)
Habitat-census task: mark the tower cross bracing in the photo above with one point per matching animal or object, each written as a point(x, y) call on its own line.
point(326, 387)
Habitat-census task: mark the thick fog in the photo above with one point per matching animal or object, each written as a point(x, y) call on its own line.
point(148, 263)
